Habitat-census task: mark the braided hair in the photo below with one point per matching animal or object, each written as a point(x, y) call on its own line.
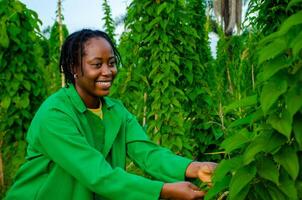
point(72, 51)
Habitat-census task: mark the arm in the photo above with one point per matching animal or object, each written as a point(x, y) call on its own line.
point(164, 165)
point(59, 139)
point(159, 162)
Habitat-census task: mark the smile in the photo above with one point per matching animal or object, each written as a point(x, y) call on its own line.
point(104, 84)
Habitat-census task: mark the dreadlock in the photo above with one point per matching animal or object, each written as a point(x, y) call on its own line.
point(72, 51)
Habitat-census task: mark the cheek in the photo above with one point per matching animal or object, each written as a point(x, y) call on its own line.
point(114, 71)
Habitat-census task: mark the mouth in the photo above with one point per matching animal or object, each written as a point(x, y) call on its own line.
point(104, 84)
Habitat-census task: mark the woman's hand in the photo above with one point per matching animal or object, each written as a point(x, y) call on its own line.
point(201, 170)
point(181, 191)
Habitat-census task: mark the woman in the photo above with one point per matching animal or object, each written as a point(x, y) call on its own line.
point(79, 138)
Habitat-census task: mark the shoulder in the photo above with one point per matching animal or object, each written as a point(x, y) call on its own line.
point(58, 100)
point(56, 106)
point(114, 103)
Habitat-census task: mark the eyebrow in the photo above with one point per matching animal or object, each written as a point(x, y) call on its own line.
point(98, 58)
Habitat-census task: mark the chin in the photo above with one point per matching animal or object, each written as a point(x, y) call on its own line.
point(103, 93)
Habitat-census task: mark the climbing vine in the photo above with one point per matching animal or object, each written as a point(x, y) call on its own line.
point(21, 81)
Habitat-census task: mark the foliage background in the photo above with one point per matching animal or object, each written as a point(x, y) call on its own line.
point(242, 109)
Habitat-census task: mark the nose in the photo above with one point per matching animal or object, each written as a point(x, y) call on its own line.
point(105, 70)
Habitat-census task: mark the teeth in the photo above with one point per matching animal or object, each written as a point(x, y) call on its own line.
point(104, 84)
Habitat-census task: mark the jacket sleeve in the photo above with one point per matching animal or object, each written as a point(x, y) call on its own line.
point(59, 139)
point(157, 161)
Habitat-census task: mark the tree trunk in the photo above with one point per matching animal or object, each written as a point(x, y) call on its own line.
point(59, 19)
point(145, 109)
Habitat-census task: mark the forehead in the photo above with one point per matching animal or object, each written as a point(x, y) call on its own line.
point(97, 45)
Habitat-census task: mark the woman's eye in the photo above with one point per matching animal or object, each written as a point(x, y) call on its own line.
point(97, 65)
point(113, 63)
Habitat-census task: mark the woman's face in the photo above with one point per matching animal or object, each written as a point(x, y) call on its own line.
point(99, 70)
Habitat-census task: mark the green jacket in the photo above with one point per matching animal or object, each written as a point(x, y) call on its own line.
point(74, 155)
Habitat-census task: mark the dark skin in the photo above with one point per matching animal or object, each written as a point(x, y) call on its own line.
point(99, 71)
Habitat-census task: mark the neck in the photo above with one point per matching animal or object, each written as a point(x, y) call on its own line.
point(89, 100)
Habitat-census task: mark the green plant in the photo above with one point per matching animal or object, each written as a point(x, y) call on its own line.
point(109, 23)
point(265, 156)
point(53, 47)
point(21, 81)
point(162, 68)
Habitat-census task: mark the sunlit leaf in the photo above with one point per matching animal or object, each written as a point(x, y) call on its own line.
point(5, 102)
point(4, 40)
point(271, 50)
point(236, 140)
point(273, 66)
point(257, 145)
point(293, 20)
point(271, 92)
point(247, 101)
point(226, 166)
point(296, 44)
point(283, 123)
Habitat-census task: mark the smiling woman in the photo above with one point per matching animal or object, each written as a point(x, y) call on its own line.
point(92, 74)
point(79, 138)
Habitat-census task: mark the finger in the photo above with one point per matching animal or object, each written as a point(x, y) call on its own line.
point(193, 187)
point(198, 193)
point(205, 177)
point(208, 167)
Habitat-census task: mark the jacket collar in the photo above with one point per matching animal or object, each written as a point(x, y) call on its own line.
point(78, 102)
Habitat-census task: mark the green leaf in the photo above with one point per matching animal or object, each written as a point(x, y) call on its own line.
point(287, 186)
point(271, 50)
point(275, 193)
point(257, 145)
point(25, 102)
point(242, 194)
point(247, 101)
point(5, 102)
point(178, 142)
point(293, 20)
point(261, 192)
point(189, 76)
point(283, 123)
point(288, 159)
point(27, 85)
point(152, 23)
point(226, 166)
point(296, 44)
point(218, 133)
point(267, 169)
point(236, 140)
point(274, 143)
point(241, 179)
point(248, 119)
point(293, 100)
point(273, 66)
point(4, 40)
point(293, 3)
point(161, 8)
point(218, 187)
point(297, 127)
point(271, 92)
